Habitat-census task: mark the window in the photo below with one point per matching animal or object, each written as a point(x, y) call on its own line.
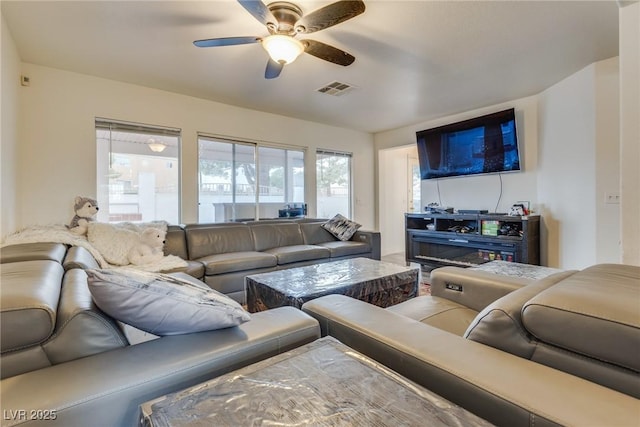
point(333, 177)
point(138, 170)
point(244, 181)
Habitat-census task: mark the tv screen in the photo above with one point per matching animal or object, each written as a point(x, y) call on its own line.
point(486, 144)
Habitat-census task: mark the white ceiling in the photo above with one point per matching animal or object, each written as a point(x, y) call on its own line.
point(415, 60)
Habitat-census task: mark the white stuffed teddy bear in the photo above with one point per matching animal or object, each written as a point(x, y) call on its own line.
point(85, 209)
point(149, 248)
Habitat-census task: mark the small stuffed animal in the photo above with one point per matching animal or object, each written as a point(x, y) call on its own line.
point(85, 209)
point(149, 249)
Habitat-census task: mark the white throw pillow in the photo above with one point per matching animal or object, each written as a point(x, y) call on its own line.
point(341, 227)
point(163, 304)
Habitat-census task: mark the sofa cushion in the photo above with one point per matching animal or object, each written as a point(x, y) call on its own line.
point(314, 234)
point(176, 242)
point(29, 303)
point(193, 268)
point(237, 261)
point(163, 304)
point(205, 241)
point(267, 236)
point(593, 313)
point(32, 251)
point(435, 311)
point(298, 253)
point(349, 248)
point(341, 227)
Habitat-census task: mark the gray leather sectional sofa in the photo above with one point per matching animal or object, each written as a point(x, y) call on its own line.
point(563, 350)
point(65, 362)
point(223, 254)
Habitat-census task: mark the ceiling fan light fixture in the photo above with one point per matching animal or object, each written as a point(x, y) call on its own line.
point(282, 48)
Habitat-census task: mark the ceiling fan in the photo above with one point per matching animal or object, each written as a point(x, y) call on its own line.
point(285, 21)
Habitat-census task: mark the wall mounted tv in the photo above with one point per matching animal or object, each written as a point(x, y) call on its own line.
point(486, 144)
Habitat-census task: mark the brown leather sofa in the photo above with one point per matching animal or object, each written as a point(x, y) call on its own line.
point(563, 350)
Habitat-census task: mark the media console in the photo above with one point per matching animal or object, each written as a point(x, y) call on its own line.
point(471, 239)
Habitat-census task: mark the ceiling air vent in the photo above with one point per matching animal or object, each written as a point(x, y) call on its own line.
point(336, 88)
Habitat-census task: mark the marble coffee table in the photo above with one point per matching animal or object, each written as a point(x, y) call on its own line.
point(324, 383)
point(369, 280)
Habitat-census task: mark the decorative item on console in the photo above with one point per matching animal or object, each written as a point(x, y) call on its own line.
point(519, 209)
point(434, 208)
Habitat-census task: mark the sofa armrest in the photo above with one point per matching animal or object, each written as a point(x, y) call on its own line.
point(500, 387)
point(108, 388)
point(477, 289)
point(79, 257)
point(371, 237)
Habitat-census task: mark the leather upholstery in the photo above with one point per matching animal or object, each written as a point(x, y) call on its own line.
point(28, 308)
point(577, 304)
point(106, 389)
point(501, 387)
point(587, 324)
point(32, 251)
point(175, 242)
point(477, 289)
point(298, 253)
point(80, 329)
point(79, 257)
point(269, 236)
point(206, 241)
point(237, 261)
point(63, 355)
point(500, 324)
point(230, 251)
point(439, 312)
point(339, 249)
point(313, 233)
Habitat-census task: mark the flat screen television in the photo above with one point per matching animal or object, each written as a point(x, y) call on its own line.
point(486, 144)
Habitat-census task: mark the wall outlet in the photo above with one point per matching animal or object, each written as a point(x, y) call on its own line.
point(612, 198)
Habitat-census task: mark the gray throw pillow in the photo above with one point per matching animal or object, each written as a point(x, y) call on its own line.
point(162, 304)
point(341, 227)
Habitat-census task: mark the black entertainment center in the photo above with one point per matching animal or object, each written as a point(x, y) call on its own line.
point(435, 240)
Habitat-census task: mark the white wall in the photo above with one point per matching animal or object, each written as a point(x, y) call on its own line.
point(607, 161)
point(57, 150)
point(578, 166)
point(630, 131)
point(9, 87)
point(479, 192)
point(569, 140)
point(473, 192)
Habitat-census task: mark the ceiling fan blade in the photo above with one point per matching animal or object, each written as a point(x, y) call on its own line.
point(328, 53)
point(273, 69)
point(329, 16)
point(260, 11)
point(226, 41)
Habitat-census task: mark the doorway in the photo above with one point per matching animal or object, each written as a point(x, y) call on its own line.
point(399, 192)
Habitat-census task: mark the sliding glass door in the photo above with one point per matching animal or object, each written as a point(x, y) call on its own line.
point(240, 181)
